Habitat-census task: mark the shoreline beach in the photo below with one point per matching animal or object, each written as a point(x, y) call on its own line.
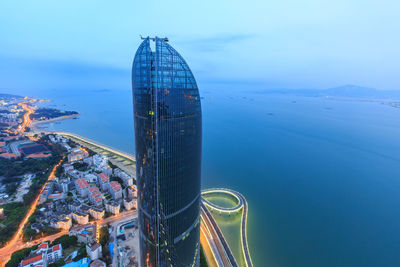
point(34, 126)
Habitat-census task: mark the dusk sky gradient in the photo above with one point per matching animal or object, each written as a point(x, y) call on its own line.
point(243, 44)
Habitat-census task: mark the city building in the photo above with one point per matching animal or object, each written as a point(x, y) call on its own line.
point(88, 161)
point(167, 115)
point(132, 191)
point(126, 178)
point(46, 192)
point(66, 146)
point(76, 154)
point(85, 233)
point(34, 260)
point(64, 187)
point(91, 178)
point(129, 203)
point(74, 205)
point(113, 207)
point(81, 187)
point(95, 197)
point(64, 223)
point(107, 170)
point(68, 167)
point(80, 218)
point(9, 155)
point(84, 262)
point(104, 179)
point(115, 190)
point(94, 250)
point(84, 209)
point(96, 213)
point(98, 263)
point(56, 196)
point(54, 253)
point(100, 161)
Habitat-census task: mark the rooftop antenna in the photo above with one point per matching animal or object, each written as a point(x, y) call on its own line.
point(165, 39)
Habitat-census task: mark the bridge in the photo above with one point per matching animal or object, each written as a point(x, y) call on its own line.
point(240, 206)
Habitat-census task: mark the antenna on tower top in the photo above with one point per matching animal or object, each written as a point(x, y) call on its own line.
point(165, 39)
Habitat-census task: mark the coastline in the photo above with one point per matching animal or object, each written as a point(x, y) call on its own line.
point(34, 125)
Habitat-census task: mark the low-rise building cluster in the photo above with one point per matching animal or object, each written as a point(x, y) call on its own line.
point(87, 236)
point(87, 190)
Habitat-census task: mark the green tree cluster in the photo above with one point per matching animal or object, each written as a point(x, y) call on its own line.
point(104, 239)
point(66, 241)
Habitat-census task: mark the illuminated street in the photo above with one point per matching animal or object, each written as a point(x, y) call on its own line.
point(27, 120)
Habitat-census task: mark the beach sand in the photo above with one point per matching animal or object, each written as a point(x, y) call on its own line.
point(35, 124)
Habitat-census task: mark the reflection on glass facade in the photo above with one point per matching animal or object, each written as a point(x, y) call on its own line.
point(167, 115)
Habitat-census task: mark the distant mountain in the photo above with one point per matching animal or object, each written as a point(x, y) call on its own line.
point(346, 91)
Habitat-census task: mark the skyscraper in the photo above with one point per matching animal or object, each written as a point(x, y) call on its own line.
point(167, 114)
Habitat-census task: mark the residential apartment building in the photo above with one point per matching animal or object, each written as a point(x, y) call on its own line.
point(115, 190)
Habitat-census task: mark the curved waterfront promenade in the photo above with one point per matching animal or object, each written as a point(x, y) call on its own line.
point(242, 204)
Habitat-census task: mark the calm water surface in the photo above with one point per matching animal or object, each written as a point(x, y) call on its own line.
point(322, 177)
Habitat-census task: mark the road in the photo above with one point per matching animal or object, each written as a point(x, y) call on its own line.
point(222, 252)
point(27, 119)
point(208, 247)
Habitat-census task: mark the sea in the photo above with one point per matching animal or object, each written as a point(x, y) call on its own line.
point(321, 176)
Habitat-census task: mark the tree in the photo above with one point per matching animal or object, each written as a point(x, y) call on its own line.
point(66, 241)
point(81, 253)
point(104, 236)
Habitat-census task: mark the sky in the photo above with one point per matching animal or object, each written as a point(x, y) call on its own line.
point(227, 43)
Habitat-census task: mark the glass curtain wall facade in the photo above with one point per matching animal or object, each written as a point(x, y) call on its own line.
point(167, 114)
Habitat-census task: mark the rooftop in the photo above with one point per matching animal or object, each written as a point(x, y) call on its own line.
point(113, 203)
point(103, 177)
point(82, 183)
point(93, 246)
point(56, 247)
point(115, 186)
point(97, 263)
point(93, 189)
point(31, 260)
point(43, 246)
